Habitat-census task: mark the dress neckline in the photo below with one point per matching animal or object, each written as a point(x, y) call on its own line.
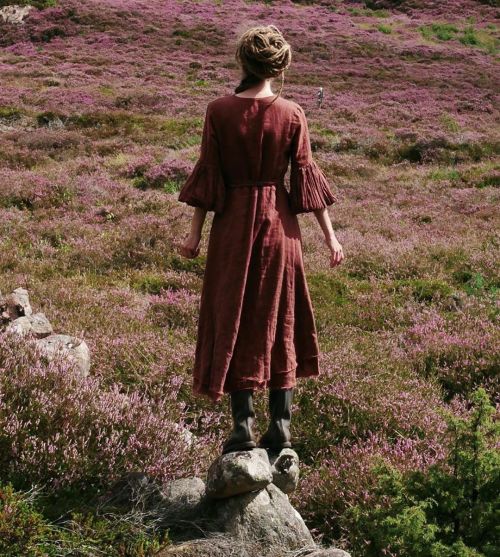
point(255, 98)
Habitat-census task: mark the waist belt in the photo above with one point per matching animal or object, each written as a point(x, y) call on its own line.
point(259, 183)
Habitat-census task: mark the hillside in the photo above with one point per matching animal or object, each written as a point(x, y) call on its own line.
point(101, 111)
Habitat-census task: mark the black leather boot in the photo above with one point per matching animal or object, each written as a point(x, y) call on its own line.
point(278, 435)
point(242, 437)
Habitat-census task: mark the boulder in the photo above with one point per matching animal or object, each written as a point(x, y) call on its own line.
point(17, 304)
point(238, 472)
point(285, 470)
point(4, 315)
point(14, 14)
point(256, 522)
point(331, 552)
point(265, 517)
point(36, 324)
point(184, 492)
point(72, 347)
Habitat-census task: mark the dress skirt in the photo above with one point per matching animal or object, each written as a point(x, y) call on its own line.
point(256, 325)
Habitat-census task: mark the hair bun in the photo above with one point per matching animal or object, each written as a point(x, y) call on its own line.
point(263, 51)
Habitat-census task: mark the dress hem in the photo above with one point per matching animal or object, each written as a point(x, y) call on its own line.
point(307, 367)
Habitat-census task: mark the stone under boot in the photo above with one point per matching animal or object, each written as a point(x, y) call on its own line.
point(278, 436)
point(242, 437)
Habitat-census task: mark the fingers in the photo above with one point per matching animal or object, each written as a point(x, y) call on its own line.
point(187, 251)
point(336, 258)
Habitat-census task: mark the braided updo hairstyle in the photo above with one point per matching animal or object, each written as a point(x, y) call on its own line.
point(263, 53)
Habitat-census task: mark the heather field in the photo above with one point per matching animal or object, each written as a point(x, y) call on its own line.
point(101, 112)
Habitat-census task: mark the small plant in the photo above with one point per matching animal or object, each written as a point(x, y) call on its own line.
point(386, 29)
point(9, 114)
point(24, 530)
point(40, 4)
point(449, 122)
point(441, 31)
point(446, 174)
point(167, 175)
point(448, 510)
point(470, 37)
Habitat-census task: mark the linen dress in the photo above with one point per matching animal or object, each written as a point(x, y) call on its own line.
point(256, 327)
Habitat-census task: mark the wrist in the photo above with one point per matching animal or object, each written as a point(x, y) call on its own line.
point(331, 239)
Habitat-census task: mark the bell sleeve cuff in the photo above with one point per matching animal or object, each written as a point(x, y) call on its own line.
point(309, 187)
point(205, 186)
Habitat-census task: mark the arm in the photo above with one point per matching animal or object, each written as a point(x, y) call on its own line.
point(336, 253)
point(309, 188)
point(190, 247)
point(204, 189)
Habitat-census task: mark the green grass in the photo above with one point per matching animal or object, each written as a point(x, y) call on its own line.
point(441, 31)
point(449, 123)
point(32, 525)
point(445, 174)
point(386, 29)
point(468, 35)
point(9, 113)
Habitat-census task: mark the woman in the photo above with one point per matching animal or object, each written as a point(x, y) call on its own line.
point(256, 327)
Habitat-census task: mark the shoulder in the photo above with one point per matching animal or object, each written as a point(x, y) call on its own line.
point(286, 104)
point(219, 102)
point(297, 111)
point(293, 108)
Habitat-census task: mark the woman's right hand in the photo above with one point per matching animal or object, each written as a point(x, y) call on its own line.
point(336, 252)
point(190, 247)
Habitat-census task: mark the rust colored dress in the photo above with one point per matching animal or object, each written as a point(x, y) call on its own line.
point(256, 326)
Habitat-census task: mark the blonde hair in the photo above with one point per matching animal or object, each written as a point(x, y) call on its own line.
point(262, 52)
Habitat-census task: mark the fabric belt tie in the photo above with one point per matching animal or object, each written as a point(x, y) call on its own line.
point(260, 183)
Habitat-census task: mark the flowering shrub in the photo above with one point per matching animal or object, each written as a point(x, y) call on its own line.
point(461, 350)
point(60, 429)
point(409, 497)
point(166, 175)
point(363, 392)
point(34, 192)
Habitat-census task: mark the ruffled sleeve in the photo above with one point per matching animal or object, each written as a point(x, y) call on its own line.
point(309, 187)
point(205, 186)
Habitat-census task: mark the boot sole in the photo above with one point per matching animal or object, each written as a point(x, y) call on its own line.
point(286, 445)
point(240, 447)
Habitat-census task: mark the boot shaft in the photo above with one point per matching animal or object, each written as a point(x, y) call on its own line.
point(243, 413)
point(242, 405)
point(280, 404)
point(278, 435)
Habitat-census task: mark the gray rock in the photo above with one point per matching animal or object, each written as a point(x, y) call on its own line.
point(285, 470)
point(17, 304)
point(259, 523)
point(73, 348)
point(134, 489)
point(238, 472)
point(266, 517)
point(36, 324)
point(184, 491)
point(332, 552)
point(4, 315)
point(188, 436)
point(14, 14)
point(213, 546)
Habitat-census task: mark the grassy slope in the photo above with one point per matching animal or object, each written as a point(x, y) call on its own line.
point(406, 134)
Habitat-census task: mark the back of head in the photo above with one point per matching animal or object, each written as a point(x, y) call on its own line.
point(263, 53)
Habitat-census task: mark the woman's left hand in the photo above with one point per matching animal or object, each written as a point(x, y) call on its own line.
point(190, 247)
